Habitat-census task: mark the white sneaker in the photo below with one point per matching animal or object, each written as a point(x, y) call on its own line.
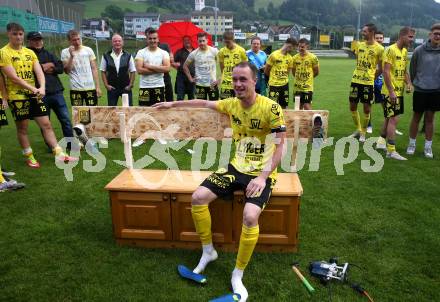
point(369, 129)
point(428, 153)
point(355, 134)
point(11, 185)
point(395, 155)
point(411, 149)
point(381, 146)
point(362, 138)
point(398, 132)
point(317, 131)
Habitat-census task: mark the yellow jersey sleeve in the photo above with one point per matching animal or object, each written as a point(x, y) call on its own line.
point(220, 55)
point(224, 105)
point(276, 118)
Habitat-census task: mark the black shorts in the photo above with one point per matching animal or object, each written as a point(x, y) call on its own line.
point(279, 94)
point(305, 97)
point(27, 109)
point(378, 96)
point(390, 109)
point(224, 182)
point(151, 96)
point(83, 97)
point(361, 93)
point(426, 101)
point(207, 93)
point(3, 118)
point(226, 93)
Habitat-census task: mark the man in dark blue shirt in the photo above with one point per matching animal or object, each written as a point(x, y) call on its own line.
point(52, 66)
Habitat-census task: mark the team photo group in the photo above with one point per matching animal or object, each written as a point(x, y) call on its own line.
point(246, 85)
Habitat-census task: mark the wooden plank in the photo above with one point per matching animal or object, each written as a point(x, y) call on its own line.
point(191, 122)
point(136, 180)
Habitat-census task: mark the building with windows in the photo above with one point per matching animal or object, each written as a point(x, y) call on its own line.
point(137, 22)
point(205, 19)
point(171, 18)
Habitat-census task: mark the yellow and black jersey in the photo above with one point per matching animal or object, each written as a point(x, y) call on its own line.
point(368, 56)
point(230, 58)
point(252, 128)
point(398, 60)
point(23, 62)
point(280, 67)
point(304, 71)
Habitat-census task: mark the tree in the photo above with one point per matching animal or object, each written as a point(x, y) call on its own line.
point(152, 9)
point(113, 12)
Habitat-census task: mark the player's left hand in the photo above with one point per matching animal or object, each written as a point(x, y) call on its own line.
point(4, 104)
point(393, 97)
point(163, 105)
point(409, 88)
point(98, 92)
point(255, 187)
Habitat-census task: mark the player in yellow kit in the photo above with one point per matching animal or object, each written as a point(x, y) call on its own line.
point(305, 69)
point(22, 70)
point(229, 56)
point(278, 66)
point(368, 67)
point(259, 135)
point(395, 61)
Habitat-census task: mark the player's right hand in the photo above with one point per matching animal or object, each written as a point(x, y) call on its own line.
point(40, 92)
point(71, 50)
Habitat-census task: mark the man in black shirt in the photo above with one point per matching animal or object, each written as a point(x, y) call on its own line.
point(183, 85)
point(52, 66)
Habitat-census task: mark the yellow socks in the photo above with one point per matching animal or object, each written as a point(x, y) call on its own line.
point(2, 179)
point(28, 153)
point(365, 121)
point(58, 151)
point(391, 146)
point(356, 120)
point(248, 240)
point(202, 222)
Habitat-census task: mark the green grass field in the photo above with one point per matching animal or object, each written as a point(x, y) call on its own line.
point(56, 239)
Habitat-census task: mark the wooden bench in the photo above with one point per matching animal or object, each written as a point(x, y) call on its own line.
point(160, 216)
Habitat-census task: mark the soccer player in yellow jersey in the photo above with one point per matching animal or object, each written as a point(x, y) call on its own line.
point(368, 67)
point(21, 69)
point(229, 56)
point(396, 76)
point(305, 69)
point(278, 67)
point(259, 134)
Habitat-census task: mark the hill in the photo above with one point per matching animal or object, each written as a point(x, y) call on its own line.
point(263, 4)
point(331, 13)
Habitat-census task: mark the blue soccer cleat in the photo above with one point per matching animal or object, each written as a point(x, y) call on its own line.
point(227, 298)
point(189, 274)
